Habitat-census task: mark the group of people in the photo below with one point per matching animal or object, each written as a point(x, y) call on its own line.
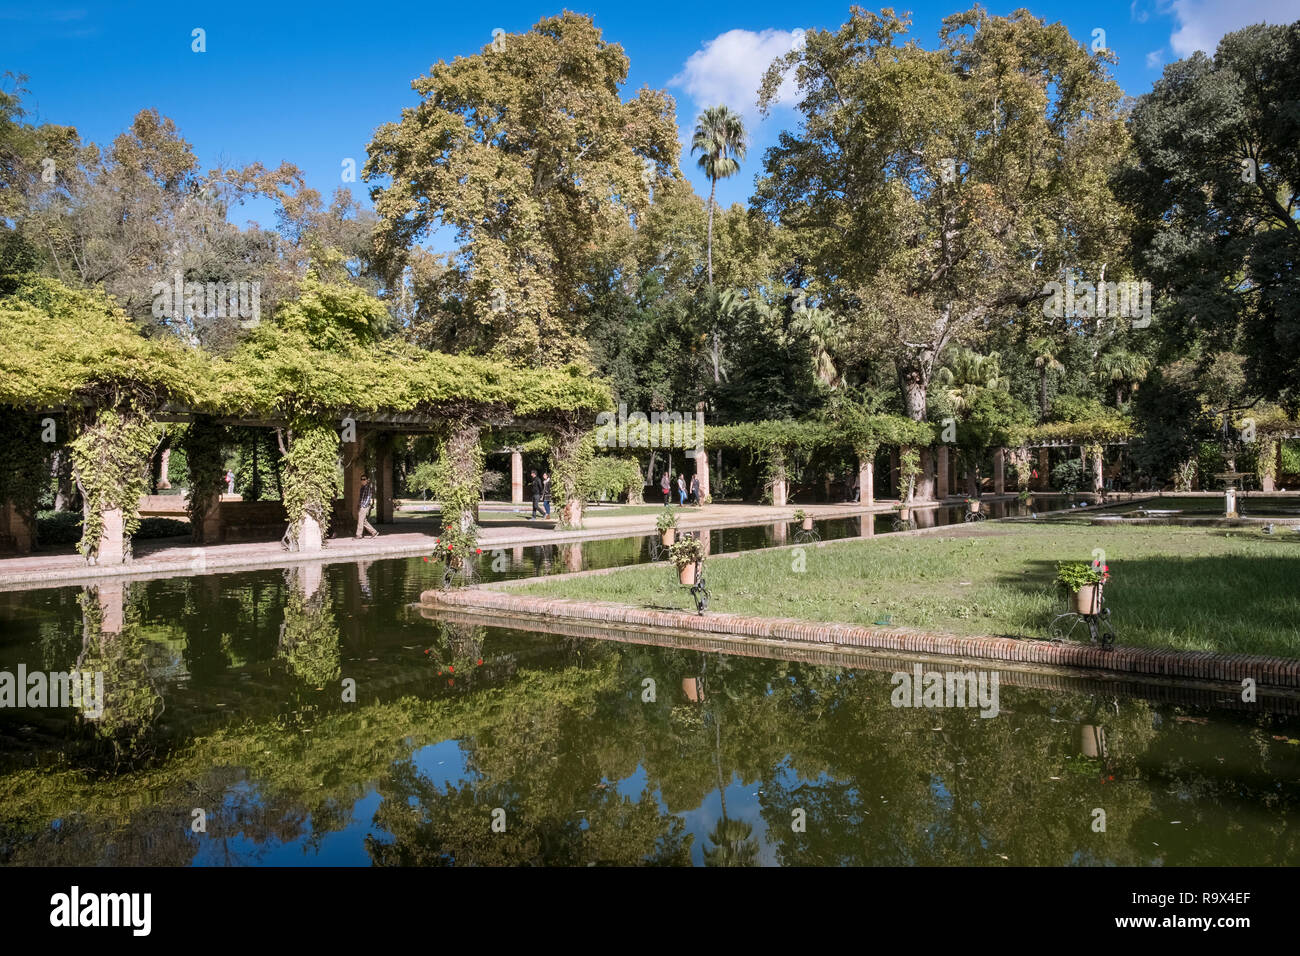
point(541, 488)
point(685, 494)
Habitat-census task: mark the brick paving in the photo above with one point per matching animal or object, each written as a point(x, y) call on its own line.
point(1266, 671)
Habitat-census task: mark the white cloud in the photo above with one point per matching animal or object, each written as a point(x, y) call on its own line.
point(730, 67)
point(1138, 16)
point(1202, 23)
point(1154, 59)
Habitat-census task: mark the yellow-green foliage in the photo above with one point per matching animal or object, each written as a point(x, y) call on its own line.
point(67, 346)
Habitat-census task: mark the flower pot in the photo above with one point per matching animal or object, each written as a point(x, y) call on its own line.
point(668, 537)
point(807, 524)
point(905, 513)
point(1087, 600)
point(975, 506)
point(686, 574)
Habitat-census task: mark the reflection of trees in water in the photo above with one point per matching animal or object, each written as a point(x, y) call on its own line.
point(113, 645)
point(309, 637)
point(452, 825)
point(878, 784)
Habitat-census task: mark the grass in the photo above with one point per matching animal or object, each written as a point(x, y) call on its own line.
point(1233, 591)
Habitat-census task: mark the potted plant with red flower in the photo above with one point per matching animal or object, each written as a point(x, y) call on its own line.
point(1085, 581)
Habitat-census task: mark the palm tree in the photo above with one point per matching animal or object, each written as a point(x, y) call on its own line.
point(1045, 351)
point(1122, 368)
point(824, 334)
point(720, 139)
point(966, 372)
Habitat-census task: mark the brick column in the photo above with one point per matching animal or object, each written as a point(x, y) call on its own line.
point(163, 461)
point(516, 477)
point(352, 471)
point(702, 469)
point(999, 471)
point(893, 473)
point(943, 471)
point(866, 479)
point(17, 530)
point(385, 486)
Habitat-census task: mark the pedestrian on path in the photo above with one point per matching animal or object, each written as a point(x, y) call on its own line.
point(546, 492)
point(363, 508)
point(695, 490)
point(681, 489)
point(663, 486)
point(536, 486)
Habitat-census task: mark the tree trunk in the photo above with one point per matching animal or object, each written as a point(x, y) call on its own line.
point(717, 350)
point(1042, 396)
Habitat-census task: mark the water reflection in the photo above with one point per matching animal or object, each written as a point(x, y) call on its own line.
point(223, 692)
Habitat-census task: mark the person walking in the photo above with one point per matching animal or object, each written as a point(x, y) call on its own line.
point(695, 490)
point(681, 489)
point(546, 492)
point(536, 485)
point(363, 508)
point(663, 486)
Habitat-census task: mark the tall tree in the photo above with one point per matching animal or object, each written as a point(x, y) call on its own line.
point(720, 140)
point(1217, 186)
point(934, 192)
point(1045, 352)
point(527, 153)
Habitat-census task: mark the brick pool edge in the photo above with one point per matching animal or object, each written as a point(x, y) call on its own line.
point(1266, 671)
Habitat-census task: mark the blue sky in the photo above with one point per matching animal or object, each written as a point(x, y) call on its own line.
point(309, 83)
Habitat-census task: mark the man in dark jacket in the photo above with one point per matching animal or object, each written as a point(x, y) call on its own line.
point(537, 495)
point(365, 500)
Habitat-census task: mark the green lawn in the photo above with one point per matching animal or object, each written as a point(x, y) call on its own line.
point(1235, 591)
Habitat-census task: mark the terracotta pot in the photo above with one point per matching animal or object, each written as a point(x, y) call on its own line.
point(668, 537)
point(686, 574)
point(1087, 600)
point(905, 513)
point(975, 505)
point(807, 524)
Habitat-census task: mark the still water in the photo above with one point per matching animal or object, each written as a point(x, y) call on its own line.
point(228, 736)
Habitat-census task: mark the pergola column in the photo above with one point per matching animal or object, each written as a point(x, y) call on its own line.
point(702, 471)
point(999, 471)
point(1098, 480)
point(385, 485)
point(516, 477)
point(17, 530)
point(163, 460)
point(353, 469)
point(894, 481)
point(943, 472)
point(866, 477)
point(564, 475)
point(1044, 469)
point(780, 481)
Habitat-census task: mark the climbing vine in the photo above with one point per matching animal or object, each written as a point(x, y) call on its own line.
point(110, 461)
point(311, 477)
point(571, 457)
point(23, 471)
point(909, 466)
point(203, 444)
point(457, 482)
